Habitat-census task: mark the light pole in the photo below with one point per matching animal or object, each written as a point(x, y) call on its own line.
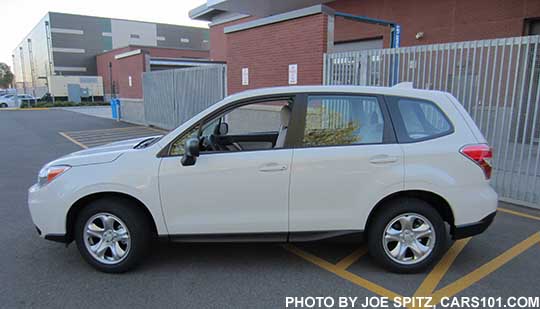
point(111, 80)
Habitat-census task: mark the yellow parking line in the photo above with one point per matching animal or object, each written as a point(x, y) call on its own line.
point(73, 140)
point(437, 273)
point(517, 213)
point(347, 261)
point(373, 287)
point(486, 269)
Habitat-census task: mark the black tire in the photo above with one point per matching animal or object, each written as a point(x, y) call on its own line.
point(3, 105)
point(137, 223)
point(386, 214)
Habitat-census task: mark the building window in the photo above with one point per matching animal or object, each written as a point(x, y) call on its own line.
point(134, 36)
point(184, 40)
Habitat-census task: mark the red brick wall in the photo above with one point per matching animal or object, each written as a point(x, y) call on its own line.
point(218, 39)
point(132, 66)
point(102, 62)
point(121, 70)
point(440, 20)
point(267, 52)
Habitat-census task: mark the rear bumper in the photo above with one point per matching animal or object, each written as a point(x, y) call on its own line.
point(471, 229)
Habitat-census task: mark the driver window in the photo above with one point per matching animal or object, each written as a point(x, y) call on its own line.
point(256, 126)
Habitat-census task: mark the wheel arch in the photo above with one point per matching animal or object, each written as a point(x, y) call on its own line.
point(435, 200)
point(82, 202)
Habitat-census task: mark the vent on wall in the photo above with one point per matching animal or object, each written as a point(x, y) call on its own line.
point(134, 36)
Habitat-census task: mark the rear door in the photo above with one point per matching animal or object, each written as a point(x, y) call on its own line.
point(346, 158)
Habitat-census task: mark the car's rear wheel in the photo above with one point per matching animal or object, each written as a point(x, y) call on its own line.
point(3, 105)
point(112, 235)
point(406, 235)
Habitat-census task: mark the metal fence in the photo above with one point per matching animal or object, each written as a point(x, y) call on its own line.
point(173, 96)
point(497, 81)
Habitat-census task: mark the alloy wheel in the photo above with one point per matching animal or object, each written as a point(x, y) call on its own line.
point(409, 238)
point(107, 238)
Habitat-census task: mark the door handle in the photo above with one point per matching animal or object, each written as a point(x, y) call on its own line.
point(383, 159)
point(272, 167)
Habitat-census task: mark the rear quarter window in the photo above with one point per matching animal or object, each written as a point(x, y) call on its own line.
point(418, 120)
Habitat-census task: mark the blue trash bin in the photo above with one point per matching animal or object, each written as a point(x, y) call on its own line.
point(115, 108)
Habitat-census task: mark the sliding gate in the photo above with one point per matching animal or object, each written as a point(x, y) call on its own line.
point(497, 81)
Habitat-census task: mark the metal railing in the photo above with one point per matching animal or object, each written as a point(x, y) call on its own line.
point(172, 97)
point(497, 81)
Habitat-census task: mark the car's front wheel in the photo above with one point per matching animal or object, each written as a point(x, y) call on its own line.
point(407, 235)
point(3, 105)
point(112, 235)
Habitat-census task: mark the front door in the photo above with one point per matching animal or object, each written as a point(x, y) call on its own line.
point(239, 183)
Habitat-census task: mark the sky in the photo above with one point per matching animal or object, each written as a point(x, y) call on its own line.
point(20, 16)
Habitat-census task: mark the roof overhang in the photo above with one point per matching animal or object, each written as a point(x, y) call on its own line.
point(315, 9)
point(261, 8)
point(204, 12)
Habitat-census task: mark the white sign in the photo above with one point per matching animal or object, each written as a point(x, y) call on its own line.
point(293, 74)
point(130, 82)
point(245, 76)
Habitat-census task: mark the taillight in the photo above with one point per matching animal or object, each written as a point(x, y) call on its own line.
point(480, 154)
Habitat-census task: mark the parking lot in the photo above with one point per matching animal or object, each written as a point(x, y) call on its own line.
point(36, 273)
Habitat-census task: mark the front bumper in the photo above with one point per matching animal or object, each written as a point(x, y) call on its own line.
point(48, 212)
point(471, 229)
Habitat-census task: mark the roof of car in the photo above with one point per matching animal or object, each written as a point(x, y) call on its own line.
point(400, 89)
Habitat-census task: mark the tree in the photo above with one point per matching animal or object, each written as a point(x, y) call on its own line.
point(326, 127)
point(6, 77)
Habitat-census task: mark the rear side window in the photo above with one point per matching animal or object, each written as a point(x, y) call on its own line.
point(418, 120)
point(342, 120)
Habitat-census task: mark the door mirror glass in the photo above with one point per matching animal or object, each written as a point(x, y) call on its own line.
point(191, 152)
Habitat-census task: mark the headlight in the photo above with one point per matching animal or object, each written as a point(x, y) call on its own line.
point(48, 174)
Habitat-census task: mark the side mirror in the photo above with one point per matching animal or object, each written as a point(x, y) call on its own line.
point(191, 152)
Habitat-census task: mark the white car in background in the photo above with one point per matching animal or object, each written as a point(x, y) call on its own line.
point(394, 165)
point(15, 100)
point(7, 100)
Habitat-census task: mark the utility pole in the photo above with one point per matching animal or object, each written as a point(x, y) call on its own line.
point(23, 73)
point(50, 59)
point(32, 68)
point(111, 80)
point(14, 83)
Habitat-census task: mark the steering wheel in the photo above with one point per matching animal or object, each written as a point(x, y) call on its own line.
point(209, 142)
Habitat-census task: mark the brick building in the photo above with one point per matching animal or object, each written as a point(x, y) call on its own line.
point(122, 68)
point(259, 39)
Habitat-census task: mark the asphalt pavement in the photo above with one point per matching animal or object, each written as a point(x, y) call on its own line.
point(38, 273)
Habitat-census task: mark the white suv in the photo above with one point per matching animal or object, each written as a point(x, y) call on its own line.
point(396, 165)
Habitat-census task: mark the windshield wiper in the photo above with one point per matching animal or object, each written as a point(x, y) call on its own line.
point(146, 142)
